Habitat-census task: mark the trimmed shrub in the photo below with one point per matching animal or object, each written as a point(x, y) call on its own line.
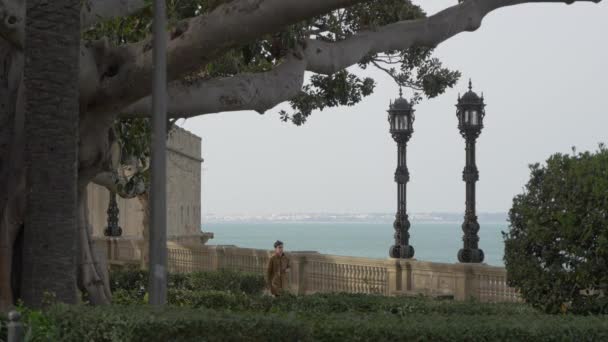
point(434, 327)
point(144, 323)
point(323, 304)
point(129, 285)
point(398, 306)
point(221, 300)
point(557, 244)
point(222, 280)
point(326, 303)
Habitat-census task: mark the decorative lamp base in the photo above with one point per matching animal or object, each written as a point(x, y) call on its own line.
point(113, 232)
point(401, 251)
point(470, 255)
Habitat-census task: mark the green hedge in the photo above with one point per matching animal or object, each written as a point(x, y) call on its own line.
point(338, 303)
point(435, 327)
point(143, 323)
point(401, 306)
point(238, 291)
point(198, 311)
point(129, 285)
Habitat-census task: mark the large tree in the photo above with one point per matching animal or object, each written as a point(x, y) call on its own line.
point(223, 55)
point(50, 79)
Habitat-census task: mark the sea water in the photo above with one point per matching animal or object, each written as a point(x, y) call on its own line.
point(437, 242)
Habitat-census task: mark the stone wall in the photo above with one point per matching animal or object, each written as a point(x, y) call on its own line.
point(312, 272)
point(183, 193)
point(183, 183)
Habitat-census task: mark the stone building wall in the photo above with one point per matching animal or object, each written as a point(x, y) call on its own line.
point(183, 183)
point(183, 193)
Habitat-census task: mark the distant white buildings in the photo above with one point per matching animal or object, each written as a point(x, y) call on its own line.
point(387, 218)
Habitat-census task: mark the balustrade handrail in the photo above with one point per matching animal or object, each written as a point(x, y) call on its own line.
point(313, 272)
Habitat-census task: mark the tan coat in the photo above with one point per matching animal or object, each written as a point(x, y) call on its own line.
point(277, 275)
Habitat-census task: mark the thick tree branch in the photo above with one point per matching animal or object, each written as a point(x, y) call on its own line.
point(197, 41)
point(107, 179)
point(114, 183)
point(327, 58)
point(248, 91)
point(95, 11)
point(263, 91)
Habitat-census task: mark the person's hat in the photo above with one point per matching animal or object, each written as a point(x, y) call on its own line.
point(278, 243)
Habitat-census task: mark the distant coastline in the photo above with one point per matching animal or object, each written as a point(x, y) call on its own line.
point(384, 218)
point(433, 241)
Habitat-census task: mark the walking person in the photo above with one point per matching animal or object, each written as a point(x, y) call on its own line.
point(278, 265)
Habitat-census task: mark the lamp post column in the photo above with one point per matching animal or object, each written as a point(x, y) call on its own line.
point(401, 119)
point(401, 248)
point(470, 227)
point(470, 113)
point(113, 229)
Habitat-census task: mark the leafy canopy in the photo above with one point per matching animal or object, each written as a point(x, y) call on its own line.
point(557, 245)
point(413, 68)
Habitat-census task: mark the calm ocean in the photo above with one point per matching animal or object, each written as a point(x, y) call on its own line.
point(438, 242)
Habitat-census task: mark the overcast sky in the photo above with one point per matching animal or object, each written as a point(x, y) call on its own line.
point(543, 69)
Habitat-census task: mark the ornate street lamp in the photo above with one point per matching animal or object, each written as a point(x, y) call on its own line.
point(401, 119)
point(113, 229)
point(470, 112)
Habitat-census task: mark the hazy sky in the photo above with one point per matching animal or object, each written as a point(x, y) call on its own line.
point(543, 69)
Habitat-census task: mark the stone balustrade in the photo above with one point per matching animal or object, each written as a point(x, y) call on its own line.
point(313, 272)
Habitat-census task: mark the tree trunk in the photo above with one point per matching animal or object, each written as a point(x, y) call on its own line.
point(51, 78)
point(6, 134)
point(94, 152)
point(93, 269)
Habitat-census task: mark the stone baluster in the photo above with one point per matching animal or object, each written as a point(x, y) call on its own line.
point(325, 286)
point(358, 279)
point(353, 279)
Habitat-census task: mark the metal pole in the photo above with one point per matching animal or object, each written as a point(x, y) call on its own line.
point(401, 248)
point(113, 229)
point(158, 188)
point(470, 252)
point(14, 327)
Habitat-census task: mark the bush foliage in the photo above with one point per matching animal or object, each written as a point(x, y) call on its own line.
point(557, 244)
point(144, 323)
point(235, 291)
point(199, 310)
point(129, 285)
point(324, 304)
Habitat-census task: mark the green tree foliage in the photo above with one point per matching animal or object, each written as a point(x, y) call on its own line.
point(413, 68)
point(556, 250)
